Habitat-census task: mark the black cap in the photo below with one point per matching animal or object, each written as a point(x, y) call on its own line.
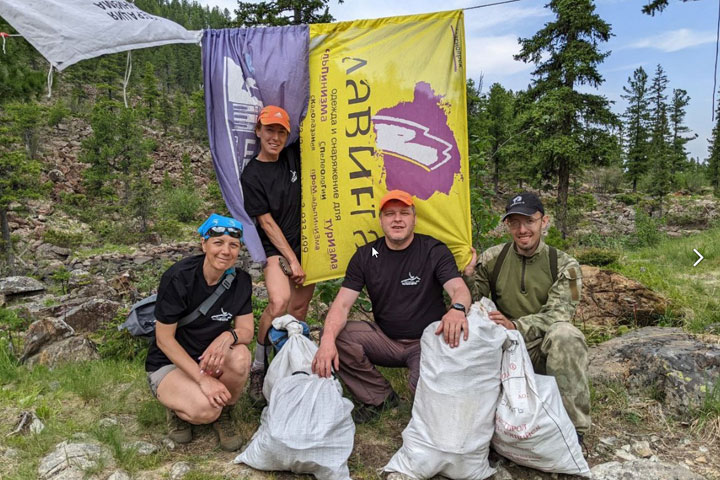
point(525, 203)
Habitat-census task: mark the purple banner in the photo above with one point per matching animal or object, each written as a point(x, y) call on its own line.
point(245, 69)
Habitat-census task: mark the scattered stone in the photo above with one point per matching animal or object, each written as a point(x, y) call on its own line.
point(677, 365)
point(28, 422)
point(91, 315)
point(623, 454)
point(502, 474)
point(56, 176)
point(142, 448)
point(179, 470)
point(642, 470)
point(142, 260)
point(119, 475)
point(19, 286)
point(11, 453)
point(701, 459)
point(72, 349)
point(73, 457)
point(703, 449)
point(610, 298)
point(642, 449)
point(79, 278)
point(168, 444)
point(43, 332)
point(107, 422)
point(609, 441)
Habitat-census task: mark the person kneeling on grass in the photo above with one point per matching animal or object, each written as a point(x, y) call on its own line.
point(198, 371)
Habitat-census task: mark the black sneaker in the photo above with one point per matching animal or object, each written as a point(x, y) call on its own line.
point(367, 413)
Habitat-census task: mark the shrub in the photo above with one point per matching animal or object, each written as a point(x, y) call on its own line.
point(554, 239)
point(691, 181)
point(598, 257)
point(647, 230)
point(56, 113)
point(628, 198)
point(181, 204)
point(606, 179)
point(120, 345)
point(63, 238)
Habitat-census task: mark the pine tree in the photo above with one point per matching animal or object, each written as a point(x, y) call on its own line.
point(566, 54)
point(18, 79)
point(637, 117)
point(283, 12)
point(500, 118)
point(713, 161)
point(661, 159)
point(678, 130)
point(150, 93)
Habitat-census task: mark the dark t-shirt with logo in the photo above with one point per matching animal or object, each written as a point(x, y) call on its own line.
point(274, 188)
point(404, 286)
point(182, 289)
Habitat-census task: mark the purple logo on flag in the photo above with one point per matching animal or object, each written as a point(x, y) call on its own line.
point(418, 148)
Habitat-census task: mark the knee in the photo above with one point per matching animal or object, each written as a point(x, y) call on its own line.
point(298, 310)
point(566, 339)
point(238, 362)
point(201, 414)
point(277, 306)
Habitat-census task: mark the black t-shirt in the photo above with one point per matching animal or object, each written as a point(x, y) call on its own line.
point(274, 187)
point(182, 289)
point(405, 286)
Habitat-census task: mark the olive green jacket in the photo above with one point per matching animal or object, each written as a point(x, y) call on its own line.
point(525, 291)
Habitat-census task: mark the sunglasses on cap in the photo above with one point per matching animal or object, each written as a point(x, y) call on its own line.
point(219, 231)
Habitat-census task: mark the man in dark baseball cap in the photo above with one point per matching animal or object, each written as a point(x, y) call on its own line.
point(525, 203)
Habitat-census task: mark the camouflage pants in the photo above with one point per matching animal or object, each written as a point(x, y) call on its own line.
point(563, 353)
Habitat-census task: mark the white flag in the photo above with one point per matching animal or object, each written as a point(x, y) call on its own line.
point(67, 31)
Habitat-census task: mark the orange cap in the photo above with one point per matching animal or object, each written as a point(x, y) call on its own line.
point(396, 195)
point(270, 115)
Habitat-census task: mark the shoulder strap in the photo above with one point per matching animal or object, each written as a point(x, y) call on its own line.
point(497, 268)
point(209, 302)
point(553, 263)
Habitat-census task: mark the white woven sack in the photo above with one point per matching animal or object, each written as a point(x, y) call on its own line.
point(532, 427)
point(453, 413)
point(306, 428)
point(295, 356)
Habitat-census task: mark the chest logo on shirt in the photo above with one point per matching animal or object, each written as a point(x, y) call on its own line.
point(410, 281)
point(223, 316)
point(293, 178)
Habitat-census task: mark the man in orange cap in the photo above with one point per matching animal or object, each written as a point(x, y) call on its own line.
point(405, 274)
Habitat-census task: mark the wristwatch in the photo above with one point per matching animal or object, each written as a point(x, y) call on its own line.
point(235, 337)
point(459, 306)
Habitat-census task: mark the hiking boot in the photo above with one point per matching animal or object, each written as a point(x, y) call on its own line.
point(581, 442)
point(255, 389)
point(179, 431)
point(367, 413)
point(228, 435)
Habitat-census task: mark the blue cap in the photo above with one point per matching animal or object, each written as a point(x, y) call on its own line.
point(216, 220)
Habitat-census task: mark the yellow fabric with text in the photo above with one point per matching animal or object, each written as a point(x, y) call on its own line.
point(387, 111)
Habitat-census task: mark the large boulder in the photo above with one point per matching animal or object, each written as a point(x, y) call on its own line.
point(71, 349)
point(609, 298)
point(20, 286)
point(43, 332)
point(91, 315)
point(679, 366)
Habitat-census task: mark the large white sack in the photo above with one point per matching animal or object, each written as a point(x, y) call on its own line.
point(306, 428)
point(295, 356)
point(532, 427)
point(453, 413)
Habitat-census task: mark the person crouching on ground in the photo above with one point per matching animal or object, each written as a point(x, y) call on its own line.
point(198, 371)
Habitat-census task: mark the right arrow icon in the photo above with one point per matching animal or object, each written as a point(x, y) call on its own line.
point(699, 259)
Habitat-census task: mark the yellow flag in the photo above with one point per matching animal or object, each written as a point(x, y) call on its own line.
point(387, 111)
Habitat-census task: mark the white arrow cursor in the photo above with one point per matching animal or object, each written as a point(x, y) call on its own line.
point(699, 259)
point(374, 252)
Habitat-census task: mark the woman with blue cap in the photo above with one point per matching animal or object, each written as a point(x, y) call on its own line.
point(198, 368)
point(271, 192)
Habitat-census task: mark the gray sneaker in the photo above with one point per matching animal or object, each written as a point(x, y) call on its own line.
point(255, 389)
point(179, 431)
point(228, 435)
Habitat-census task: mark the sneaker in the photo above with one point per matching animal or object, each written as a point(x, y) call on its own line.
point(367, 413)
point(581, 442)
point(228, 435)
point(255, 389)
point(179, 431)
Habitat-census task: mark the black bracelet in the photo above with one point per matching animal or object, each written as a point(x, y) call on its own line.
point(235, 337)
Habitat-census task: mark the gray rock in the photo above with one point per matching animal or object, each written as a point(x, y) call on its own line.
point(623, 454)
point(10, 286)
point(47, 251)
point(142, 448)
point(119, 475)
point(107, 422)
point(679, 366)
point(56, 176)
point(72, 349)
point(11, 453)
point(168, 444)
point(642, 449)
point(142, 260)
point(43, 332)
point(91, 315)
point(179, 470)
point(642, 470)
point(73, 456)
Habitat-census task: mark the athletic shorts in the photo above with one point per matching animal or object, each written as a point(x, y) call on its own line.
point(154, 378)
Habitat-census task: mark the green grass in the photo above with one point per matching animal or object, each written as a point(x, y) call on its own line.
point(668, 269)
